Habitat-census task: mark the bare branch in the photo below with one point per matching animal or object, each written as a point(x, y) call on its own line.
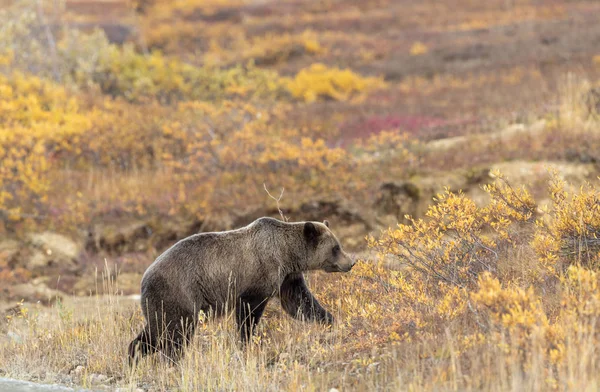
point(277, 200)
point(50, 39)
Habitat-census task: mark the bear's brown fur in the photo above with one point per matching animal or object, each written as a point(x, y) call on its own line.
point(241, 269)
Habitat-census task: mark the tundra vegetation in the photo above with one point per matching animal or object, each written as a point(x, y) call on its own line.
point(453, 145)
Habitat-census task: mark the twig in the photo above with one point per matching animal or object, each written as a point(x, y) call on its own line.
point(50, 39)
point(476, 314)
point(277, 200)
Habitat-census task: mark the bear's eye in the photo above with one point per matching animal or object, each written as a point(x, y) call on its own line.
point(335, 250)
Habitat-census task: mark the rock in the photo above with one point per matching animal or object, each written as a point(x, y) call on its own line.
point(528, 173)
point(98, 378)
point(336, 211)
point(37, 260)
point(348, 222)
point(78, 371)
point(505, 135)
point(397, 199)
point(30, 292)
point(52, 250)
point(165, 232)
point(468, 181)
point(14, 337)
point(53, 243)
point(9, 249)
point(12, 385)
point(119, 236)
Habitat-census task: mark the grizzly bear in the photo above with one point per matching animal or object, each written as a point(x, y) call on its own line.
point(238, 269)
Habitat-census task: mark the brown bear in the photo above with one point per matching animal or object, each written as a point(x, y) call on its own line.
point(241, 269)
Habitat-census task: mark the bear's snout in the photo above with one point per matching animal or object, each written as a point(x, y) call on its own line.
point(347, 263)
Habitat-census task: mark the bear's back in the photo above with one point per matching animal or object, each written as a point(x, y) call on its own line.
point(211, 259)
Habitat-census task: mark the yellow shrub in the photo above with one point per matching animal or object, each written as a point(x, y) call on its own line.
point(267, 50)
point(123, 71)
point(458, 240)
point(38, 119)
point(532, 322)
point(580, 303)
point(319, 81)
point(510, 308)
point(418, 48)
point(520, 325)
point(214, 157)
point(249, 148)
point(569, 233)
point(89, 60)
point(508, 204)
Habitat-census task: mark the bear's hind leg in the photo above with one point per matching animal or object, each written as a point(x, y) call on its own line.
point(177, 337)
point(249, 309)
point(171, 327)
point(141, 346)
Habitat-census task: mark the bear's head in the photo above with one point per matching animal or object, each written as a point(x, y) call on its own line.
point(325, 249)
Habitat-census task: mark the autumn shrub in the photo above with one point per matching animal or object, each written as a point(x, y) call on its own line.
point(240, 147)
point(385, 155)
point(51, 136)
point(580, 300)
point(457, 241)
point(441, 259)
point(124, 72)
point(24, 39)
point(89, 60)
point(517, 319)
point(37, 119)
point(319, 81)
point(266, 51)
point(45, 128)
point(211, 158)
point(569, 235)
point(502, 276)
point(205, 25)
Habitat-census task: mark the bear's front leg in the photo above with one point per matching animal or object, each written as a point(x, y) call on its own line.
point(249, 309)
point(298, 301)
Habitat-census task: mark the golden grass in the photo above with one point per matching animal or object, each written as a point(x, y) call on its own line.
point(75, 340)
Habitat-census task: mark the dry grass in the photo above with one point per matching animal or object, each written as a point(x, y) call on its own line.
point(373, 346)
point(530, 325)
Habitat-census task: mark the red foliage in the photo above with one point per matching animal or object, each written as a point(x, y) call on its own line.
point(419, 126)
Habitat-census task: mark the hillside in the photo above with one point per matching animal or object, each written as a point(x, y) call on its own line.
point(125, 126)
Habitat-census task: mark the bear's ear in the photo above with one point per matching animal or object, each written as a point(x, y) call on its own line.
point(326, 222)
point(311, 233)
